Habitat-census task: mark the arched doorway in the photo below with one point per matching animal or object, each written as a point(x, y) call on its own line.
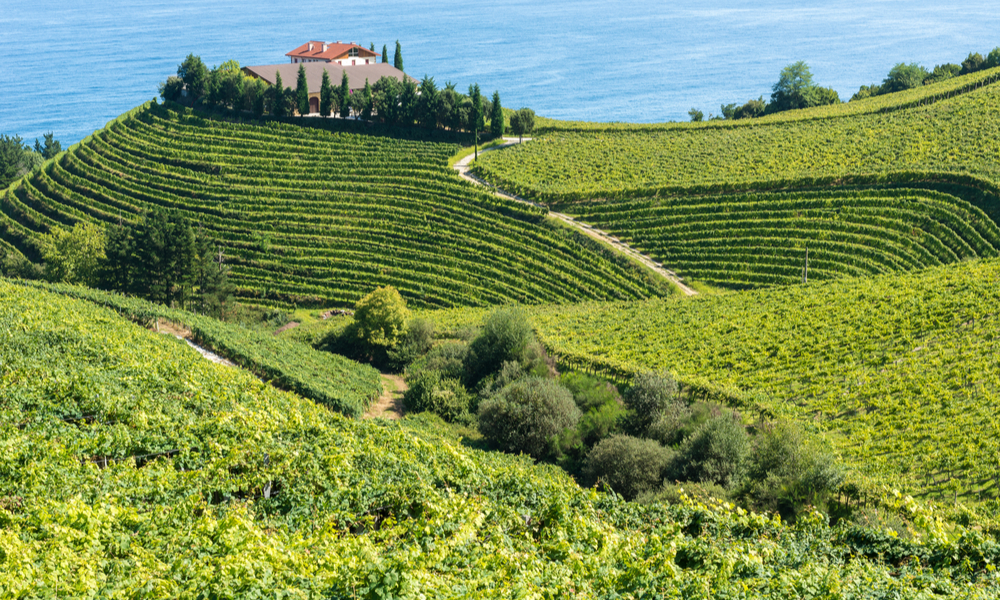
point(314, 105)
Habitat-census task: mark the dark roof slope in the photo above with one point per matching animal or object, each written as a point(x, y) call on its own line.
point(356, 75)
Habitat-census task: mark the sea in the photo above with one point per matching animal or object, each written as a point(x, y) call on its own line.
point(70, 66)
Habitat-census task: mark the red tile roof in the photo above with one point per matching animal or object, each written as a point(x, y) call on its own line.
point(332, 51)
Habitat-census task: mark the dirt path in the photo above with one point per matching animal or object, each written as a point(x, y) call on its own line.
point(462, 167)
point(182, 333)
point(390, 404)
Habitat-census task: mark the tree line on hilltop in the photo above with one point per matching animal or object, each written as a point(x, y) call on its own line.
point(796, 89)
point(388, 100)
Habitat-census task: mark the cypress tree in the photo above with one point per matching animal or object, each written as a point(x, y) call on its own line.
point(496, 118)
point(302, 91)
point(344, 100)
point(372, 47)
point(397, 61)
point(385, 54)
point(326, 95)
point(278, 97)
point(476, 116)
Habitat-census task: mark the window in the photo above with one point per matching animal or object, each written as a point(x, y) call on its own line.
point(352, 52)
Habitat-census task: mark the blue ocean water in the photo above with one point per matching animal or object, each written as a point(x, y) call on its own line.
point(72, 65)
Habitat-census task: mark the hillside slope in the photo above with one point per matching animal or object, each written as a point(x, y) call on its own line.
point(134, 468)
point(309, 217)
point(902, 369)
point(891, 183)
point(958, 135)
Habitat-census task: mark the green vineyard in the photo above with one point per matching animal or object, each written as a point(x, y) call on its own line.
point(953, 136)
point(313, 218)
point(133, 468)
point(903, 370)
point(767, 239)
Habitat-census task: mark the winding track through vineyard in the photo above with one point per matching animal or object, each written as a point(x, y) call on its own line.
point(462, 166)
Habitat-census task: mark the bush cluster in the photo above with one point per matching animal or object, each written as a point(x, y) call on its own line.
point(650, 442)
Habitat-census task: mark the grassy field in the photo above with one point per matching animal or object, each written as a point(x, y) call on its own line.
point(314, 218)
point(134, 468)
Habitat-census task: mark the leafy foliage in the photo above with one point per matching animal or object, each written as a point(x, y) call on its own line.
point(132, 466)
point(629, 465)
point(381, 318)
point(443, 396)
point(527, 416)
point(74, 256)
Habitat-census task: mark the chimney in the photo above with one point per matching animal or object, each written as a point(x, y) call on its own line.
point(310, 46)
point(325, 46)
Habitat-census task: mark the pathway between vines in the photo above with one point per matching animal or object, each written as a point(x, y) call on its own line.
point(462, 166)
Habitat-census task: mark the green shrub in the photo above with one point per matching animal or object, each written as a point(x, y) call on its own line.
point(505, 336)
point(380, 318)
point(448, 358)
point(527, 416)
point(417, 341)
point(629, 465)
point(648, 397)
point(678, 421)
point(717, 452)
point(445, 397)
point(674, 493)
point(787, 471)
point(589, 392)
point(601, 421)
point(510, 371)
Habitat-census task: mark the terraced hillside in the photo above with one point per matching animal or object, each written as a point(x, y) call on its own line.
point(959, 135)
point(134, 468)
point(902, 369)
point(310, 217)
point(895, 182)
point(764, 239)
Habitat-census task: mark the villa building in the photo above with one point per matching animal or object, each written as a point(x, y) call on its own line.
point(344, 54)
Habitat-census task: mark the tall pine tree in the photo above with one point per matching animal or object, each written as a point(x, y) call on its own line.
point(496, 118)
point(344, 98)
point(385, 54)
point(397, 60)
point(214, 290)
point(302, 92)
point(326, 95)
